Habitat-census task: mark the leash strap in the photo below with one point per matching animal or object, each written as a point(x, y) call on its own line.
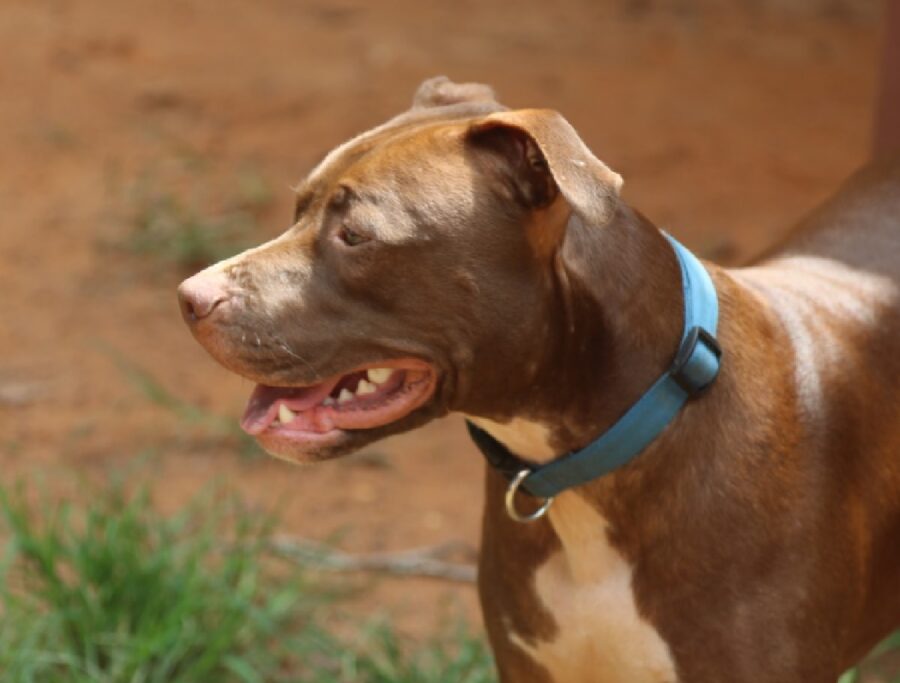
point(695, 367)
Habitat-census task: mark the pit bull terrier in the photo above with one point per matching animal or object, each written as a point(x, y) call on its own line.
point(469, 258)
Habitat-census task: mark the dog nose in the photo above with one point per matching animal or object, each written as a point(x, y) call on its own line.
point(202, 294)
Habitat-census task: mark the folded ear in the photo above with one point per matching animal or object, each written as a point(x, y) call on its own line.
point(440, 91)
point(546, 155)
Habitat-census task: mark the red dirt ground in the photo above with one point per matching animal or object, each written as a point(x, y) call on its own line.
point(727, 120)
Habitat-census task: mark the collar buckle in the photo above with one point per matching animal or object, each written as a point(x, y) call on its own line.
point(697, 362)
point(693, 370)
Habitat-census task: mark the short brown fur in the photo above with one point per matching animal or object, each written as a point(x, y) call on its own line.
point(763, 526)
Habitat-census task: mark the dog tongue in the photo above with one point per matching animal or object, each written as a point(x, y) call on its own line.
point(263, 404)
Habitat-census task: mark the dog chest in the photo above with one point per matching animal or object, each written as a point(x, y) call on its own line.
point(586, 586)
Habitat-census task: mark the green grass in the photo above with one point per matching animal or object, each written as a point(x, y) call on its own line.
point(379, 656)
point(212, 425)
point(882, 662)
point(118, 593)
point(110, 591)
point(173, 232)
point(189, 233)
point(107, 590)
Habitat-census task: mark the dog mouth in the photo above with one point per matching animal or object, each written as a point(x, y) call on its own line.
point(367, 397)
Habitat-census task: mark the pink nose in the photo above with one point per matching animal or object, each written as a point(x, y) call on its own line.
point(201, 294)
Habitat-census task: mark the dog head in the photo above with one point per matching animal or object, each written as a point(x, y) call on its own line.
point(417, 277)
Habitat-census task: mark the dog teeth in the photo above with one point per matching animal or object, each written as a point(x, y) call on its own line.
point(345, 396)
point(365, 388)
point(285, 414)
point(379, 375)
point(328, 401)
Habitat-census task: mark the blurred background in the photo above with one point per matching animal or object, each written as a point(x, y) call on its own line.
point(141, 140)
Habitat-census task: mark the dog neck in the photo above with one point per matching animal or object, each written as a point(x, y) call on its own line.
point(615, 302)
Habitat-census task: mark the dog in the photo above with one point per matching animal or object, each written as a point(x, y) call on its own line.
point(469, 258)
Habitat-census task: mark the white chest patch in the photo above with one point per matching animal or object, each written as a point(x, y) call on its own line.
point(523, 437)
point(586, 586)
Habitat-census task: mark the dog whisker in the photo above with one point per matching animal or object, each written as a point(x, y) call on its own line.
point(294, 354)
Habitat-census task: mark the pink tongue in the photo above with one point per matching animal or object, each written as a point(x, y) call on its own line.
point(263, 404)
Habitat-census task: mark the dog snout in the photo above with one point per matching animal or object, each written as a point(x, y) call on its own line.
point(202, 295)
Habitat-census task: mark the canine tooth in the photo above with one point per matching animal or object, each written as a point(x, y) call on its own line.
point(345, 396)
point(365, 388)
point(285, 414)
point(328, 401)
point(379, 375)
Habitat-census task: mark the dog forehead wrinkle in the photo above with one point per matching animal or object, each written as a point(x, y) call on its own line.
point(360, 147)
point(397, 205)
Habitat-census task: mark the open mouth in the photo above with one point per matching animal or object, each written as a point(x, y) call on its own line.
point(364, 398)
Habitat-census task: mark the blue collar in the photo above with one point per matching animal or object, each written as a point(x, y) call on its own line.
point(695, 367)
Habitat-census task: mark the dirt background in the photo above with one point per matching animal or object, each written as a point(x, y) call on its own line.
point(728, 120)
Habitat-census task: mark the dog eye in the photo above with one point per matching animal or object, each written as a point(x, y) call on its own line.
point(351, 237)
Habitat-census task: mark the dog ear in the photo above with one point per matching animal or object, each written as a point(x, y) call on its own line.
point(547, 157)
point(440, 91)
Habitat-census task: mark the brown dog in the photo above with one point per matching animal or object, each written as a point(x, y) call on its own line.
point(462, 257)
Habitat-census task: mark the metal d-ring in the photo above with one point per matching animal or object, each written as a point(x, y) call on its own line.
point(511, 500)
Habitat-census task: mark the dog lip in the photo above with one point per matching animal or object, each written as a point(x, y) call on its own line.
point(308, 447)
point(264, 401)
point(418, 384)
